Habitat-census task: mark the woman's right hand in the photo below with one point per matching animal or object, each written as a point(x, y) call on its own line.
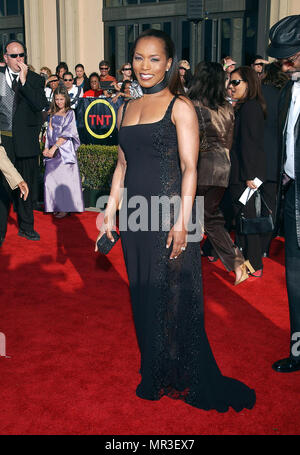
point(106, 228)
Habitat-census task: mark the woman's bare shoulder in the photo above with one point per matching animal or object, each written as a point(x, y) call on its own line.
point(183, 107)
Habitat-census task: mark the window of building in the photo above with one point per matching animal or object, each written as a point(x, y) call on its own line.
point(115, 3)
point(12, 8)
point(186, 39)
point(2, 8)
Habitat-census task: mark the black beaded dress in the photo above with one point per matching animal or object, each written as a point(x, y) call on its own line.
point(166, 295)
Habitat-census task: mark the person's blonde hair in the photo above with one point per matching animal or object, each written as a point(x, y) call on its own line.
point(47, 70)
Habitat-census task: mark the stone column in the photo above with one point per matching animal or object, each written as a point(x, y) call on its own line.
point(81, 30)
point(282, 8)
point(80, 38)
point(41, 33)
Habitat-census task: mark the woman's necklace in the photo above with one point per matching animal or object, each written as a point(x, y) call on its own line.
point(156, 88)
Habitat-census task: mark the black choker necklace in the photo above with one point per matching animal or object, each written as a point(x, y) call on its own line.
point(156, 88)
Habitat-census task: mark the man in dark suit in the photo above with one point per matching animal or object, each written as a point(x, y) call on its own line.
point(285, 46)
point(22, 99)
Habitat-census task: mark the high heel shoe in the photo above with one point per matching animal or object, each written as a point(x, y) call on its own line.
point(257, 273)
point(61, 214)
point(212, 258)
point(246, 266)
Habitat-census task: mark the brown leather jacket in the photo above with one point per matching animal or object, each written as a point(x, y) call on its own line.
point(215, 144)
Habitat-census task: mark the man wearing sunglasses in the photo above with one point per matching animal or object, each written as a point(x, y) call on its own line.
point(104, 72)
point(107, 82)
point(75, 92)
point(52, 84)
point(285, 47)
point(22, 99)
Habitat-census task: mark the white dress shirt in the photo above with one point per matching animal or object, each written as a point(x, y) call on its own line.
point(73, 93)
point(9, 76)
point(289, 167)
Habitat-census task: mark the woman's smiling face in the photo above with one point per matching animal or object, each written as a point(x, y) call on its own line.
point(150, 62)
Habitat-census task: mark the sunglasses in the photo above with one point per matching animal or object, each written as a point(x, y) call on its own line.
point(182, 68)
point(53, 80)
point(126, 69)
point(235, 82)
point(104, 68)
point(16, 55)
point(68, 80)
point(290, 61)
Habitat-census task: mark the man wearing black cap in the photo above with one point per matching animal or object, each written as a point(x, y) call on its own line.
point(285, 47)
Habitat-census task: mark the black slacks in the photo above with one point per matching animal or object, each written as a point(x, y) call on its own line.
point(269, 193)
point(252, 244)
point(29, 170)
point(292, 268)
point(214, 227)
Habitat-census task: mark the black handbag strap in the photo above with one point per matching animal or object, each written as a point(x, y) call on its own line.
point(261, 196)
point(256, 194)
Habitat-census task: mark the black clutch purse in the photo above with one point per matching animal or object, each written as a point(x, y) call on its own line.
point(105, 245)
point(259, 224)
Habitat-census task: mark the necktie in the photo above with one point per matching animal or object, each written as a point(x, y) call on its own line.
point(14, 84)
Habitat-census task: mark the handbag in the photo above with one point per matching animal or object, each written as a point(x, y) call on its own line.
point(105, 245)
point(259, 224)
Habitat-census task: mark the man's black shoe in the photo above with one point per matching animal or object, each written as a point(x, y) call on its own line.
point(288, 365)
point(29, 235)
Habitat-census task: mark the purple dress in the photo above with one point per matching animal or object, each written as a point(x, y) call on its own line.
point(62, 184)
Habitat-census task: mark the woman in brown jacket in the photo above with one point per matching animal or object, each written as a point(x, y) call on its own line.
point(216, 124)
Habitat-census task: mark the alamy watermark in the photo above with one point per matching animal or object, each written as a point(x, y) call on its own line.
point(295, 350)
point(155, 213)
point(2, 345)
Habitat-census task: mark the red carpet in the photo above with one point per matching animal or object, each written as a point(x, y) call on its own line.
point(73, 365)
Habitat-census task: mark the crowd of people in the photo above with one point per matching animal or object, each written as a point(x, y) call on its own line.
point(220, 133)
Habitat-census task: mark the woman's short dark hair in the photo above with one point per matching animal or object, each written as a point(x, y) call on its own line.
point(173, 78)
point(94, 75)
point(60, 90)
point(208, 85)
point(254, 87)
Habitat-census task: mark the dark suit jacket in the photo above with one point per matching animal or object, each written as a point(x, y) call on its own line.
point(284, 105)
point(27, 119)
point(248, 157)
point(271, 136)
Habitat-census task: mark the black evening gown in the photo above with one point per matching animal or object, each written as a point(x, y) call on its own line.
point(166, 295)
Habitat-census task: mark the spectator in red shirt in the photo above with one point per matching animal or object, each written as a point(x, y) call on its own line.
point(95, 91)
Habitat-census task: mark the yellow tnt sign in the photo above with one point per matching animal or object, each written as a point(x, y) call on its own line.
point(102, 120)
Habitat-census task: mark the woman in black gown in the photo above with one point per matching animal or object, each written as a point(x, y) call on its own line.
point(158, 153)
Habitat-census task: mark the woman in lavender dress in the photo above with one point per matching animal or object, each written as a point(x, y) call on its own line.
point(62, 185)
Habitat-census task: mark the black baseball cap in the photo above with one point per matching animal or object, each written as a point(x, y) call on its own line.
point(285, 37)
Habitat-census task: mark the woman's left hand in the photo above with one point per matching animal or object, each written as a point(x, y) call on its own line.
point(48, 153)
point(251, 184)
point(178, 236)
